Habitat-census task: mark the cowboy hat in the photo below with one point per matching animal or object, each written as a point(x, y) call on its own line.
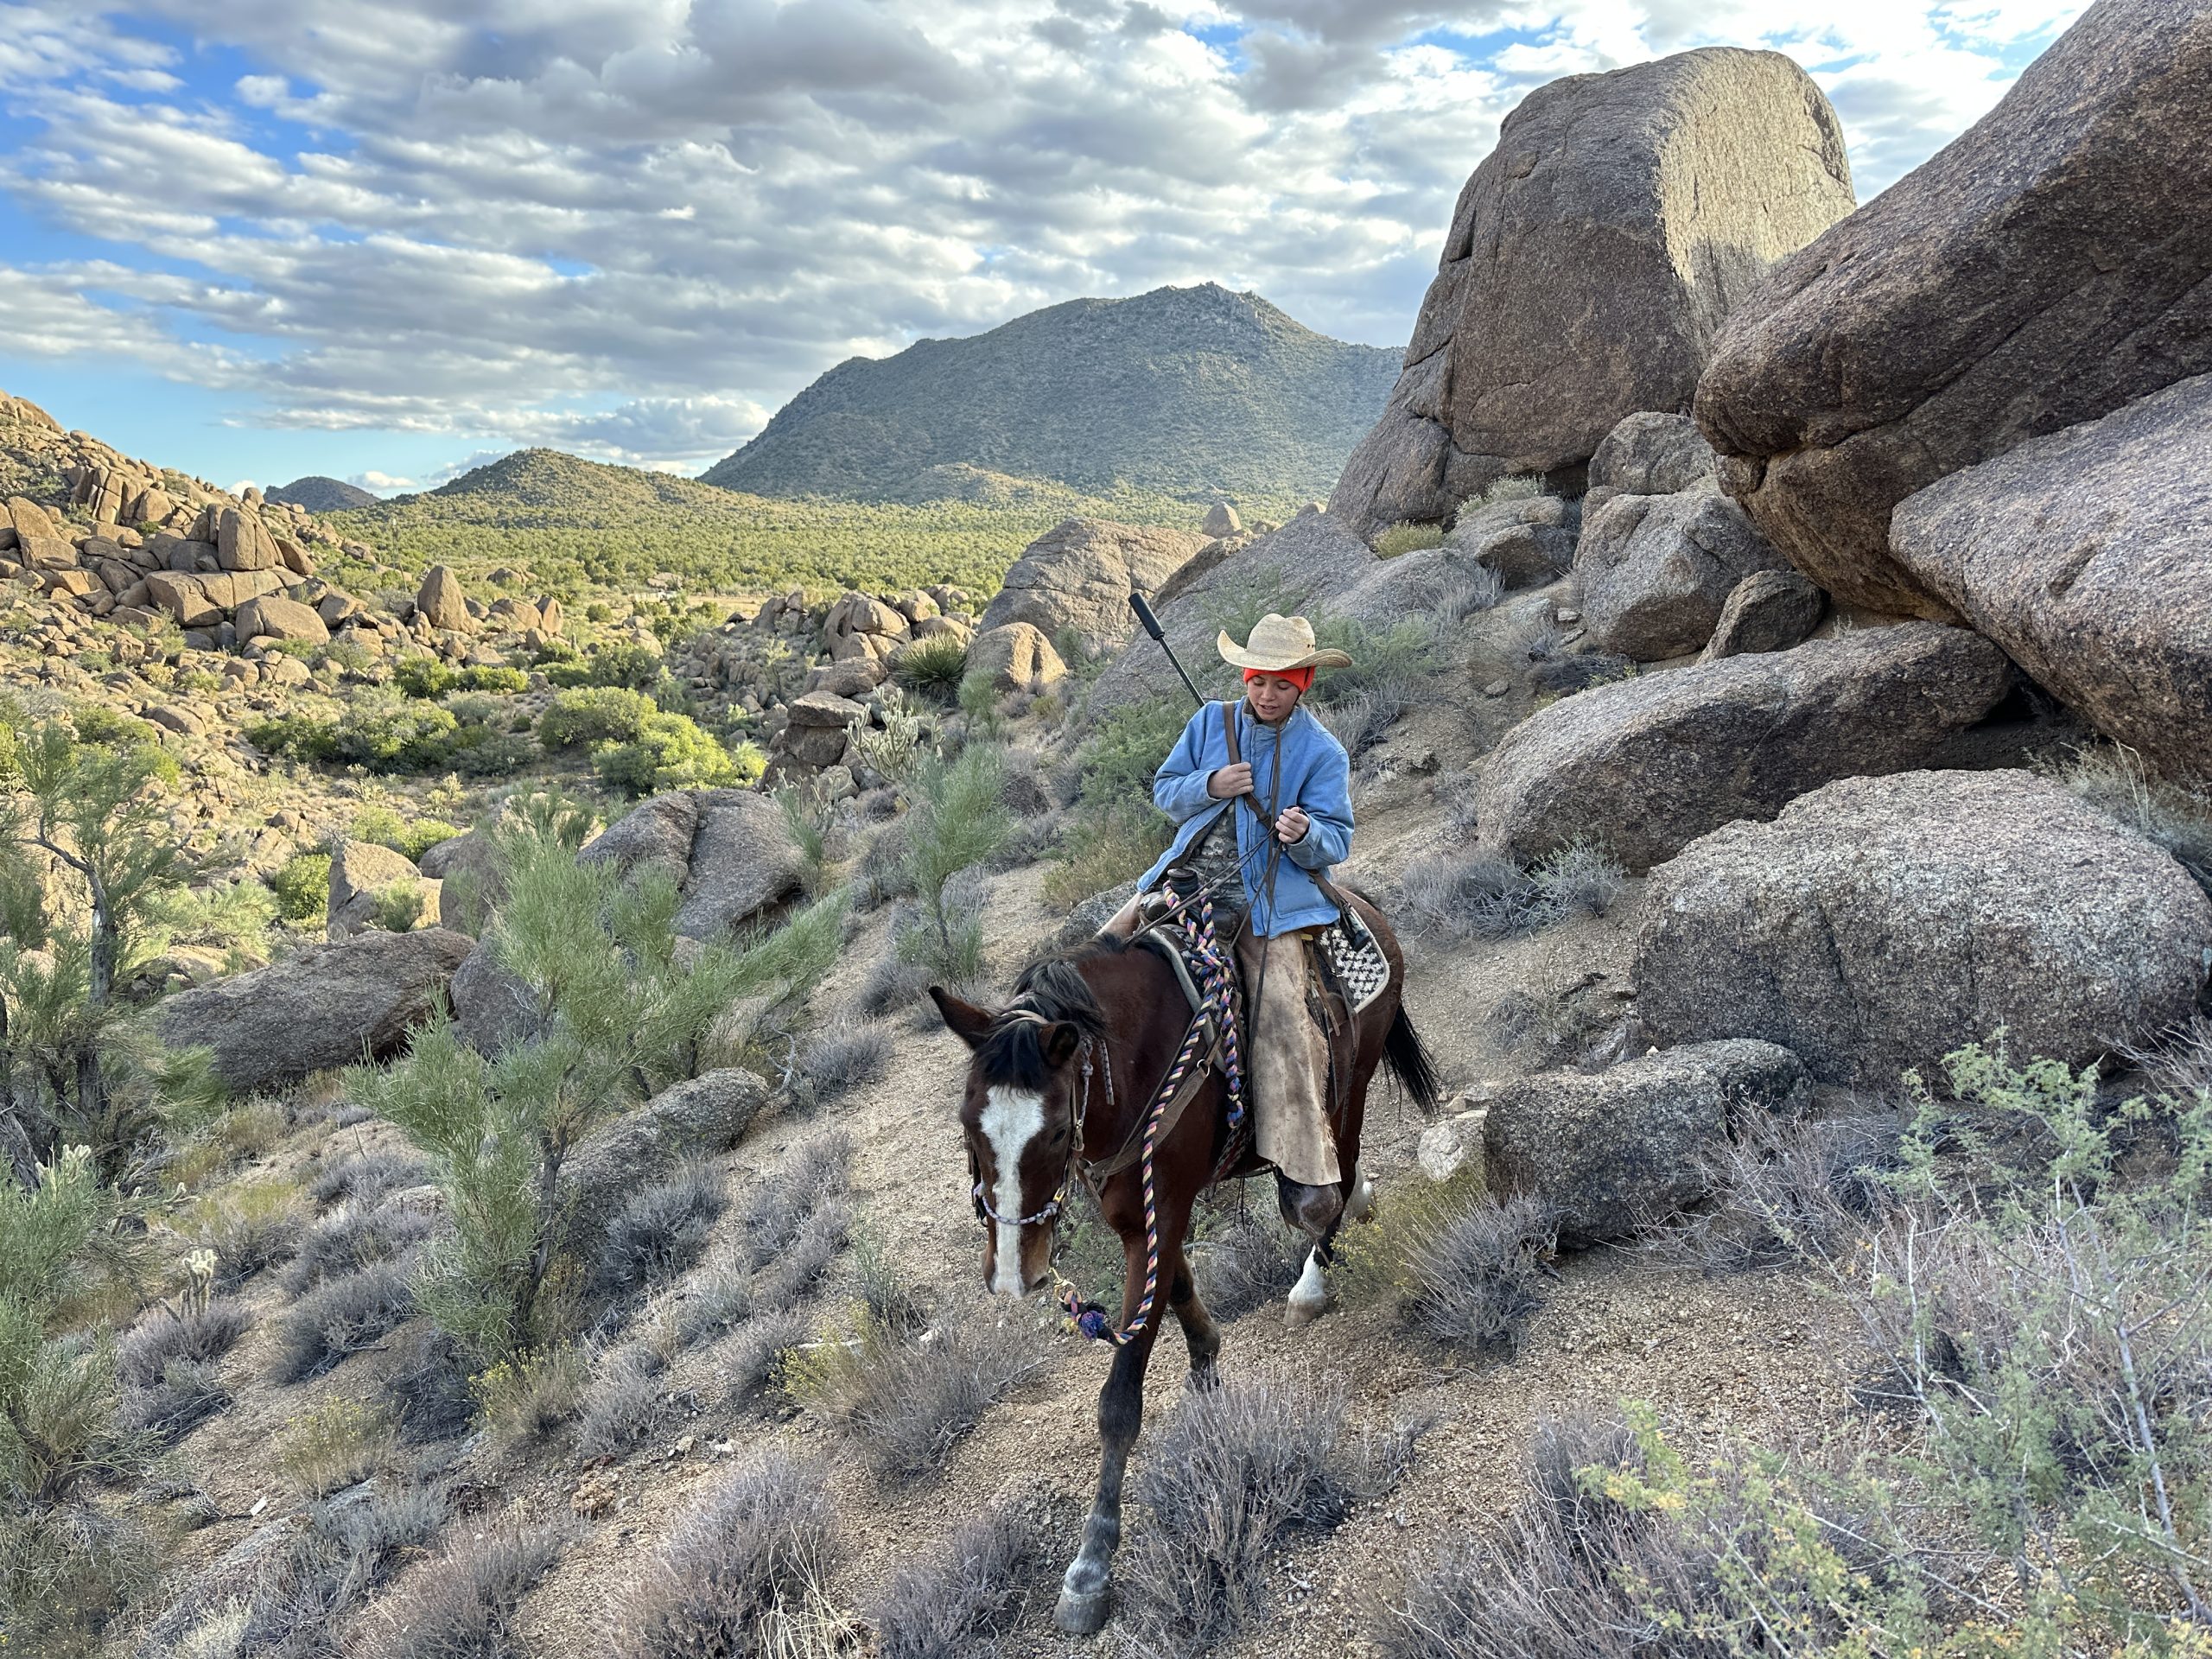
point(1279, 643)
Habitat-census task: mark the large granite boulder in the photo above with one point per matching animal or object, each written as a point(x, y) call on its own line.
point(1880, 923)
point(1015, 657)
point(1078, 577)
point(2088, 555)
point(1656, 571)
point(273, 616)
point(325, 1005)
point(1768, 610)
point(440, 601)
point(2049, 265)
point(1649, 452)
point(727, 850)
point(1528, 540)
point(695, 1119)
point(1591, 259)
point(1644, 766)
point(1618, 1150)
point(493, 1008)
point(361, 874)
point(470, 878)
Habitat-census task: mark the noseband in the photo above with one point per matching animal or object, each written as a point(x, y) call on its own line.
point(984, 1213)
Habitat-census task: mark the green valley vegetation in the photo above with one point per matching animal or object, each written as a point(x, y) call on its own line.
point(1191, 392)
point(581, 526)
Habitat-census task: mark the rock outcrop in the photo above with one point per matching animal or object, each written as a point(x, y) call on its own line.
point(440, 600)
point(325, 1005)
point(695, 1119)
point(1615, 1150)
point(1768, 610)
point(1528, 540)
point(725, 849)
point(1656, 571)
point(1881, 923)
point(1079, 575)
point(1015, 657)
point(1591, 259)
point(2088, 555)
point(1644, 766)
point(361, 874)
point(2049, 265)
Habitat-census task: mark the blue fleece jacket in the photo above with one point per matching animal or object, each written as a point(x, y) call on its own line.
point(1316, 775)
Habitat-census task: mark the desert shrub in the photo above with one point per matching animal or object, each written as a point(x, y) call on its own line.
point(357, 1236)
point(1103, 848)
point(429, 1388)
point(883, 875)
point(258, 1225)
point(2164, 811)
point(344, 1549)
point(625, 1402)
point(340, 1318)
point(590, 715)
point(632, 665)
point(1791, 1191)
point(1456, 1264)
point(958, 822)
point(959, 1601)
point(400, 735)
point(1474, 1281)
point(907, 1403)
point(365, 1177)
point(1235, 1473)
point(1117, 762)
point(661, 1231)
point(94, 722)
point(802, 1263)
point(411, 837)
point(223, 916)
point(780, 1206)
point(462, 1604)
point(933, 667)
point(673, 752)
point(1406, 536)
point(170, 1406)
point(68, 1573)
point(891, 985)
point(978, 697)
point(339, 1442)
point(842, 1057)
point(754, 1355)
point(895, 748)
point(398, 908)
point(1461, 896)
point(741, 1575)
point(422, 675)
point(302, 886)
point(526, 1397)
point(196, 1334)
point(1390, 662)
point(884, 1294)
point(1247, 1265)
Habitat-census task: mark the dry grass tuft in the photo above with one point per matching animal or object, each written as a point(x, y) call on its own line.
point(341, 1317)
point(462, 1604)
point(662, 1231)
point(956, 1603)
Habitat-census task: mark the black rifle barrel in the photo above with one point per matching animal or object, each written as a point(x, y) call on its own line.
point(1152, 627)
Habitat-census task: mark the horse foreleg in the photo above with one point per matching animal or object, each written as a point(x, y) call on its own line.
point(1315, 1211)
point(1084, 1589)
point(1201, 1333)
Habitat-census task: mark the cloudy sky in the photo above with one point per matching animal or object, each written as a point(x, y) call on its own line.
point(379, 238)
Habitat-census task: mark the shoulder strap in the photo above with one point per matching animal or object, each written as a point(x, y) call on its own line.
point(1229, 731)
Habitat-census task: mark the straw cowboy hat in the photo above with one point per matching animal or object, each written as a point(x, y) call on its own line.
point(1279, 643)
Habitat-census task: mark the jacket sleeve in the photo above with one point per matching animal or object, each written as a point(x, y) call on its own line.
point(1326, 799)
point(1179, 789)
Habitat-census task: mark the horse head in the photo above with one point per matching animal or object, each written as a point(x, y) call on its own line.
point(1023, 1115)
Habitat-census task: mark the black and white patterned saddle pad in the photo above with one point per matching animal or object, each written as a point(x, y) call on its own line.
point(1356, 958)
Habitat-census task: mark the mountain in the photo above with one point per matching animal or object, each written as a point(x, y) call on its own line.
point(316, 493)
point(1186, 392)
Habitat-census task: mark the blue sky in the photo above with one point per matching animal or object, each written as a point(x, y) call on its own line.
point(264, 237)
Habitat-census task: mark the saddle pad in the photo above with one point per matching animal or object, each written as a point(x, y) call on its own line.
point(1356, 958)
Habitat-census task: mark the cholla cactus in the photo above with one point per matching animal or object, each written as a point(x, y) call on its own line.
point(200, 1281)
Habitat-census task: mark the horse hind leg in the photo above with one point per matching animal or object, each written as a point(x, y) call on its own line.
point(1315, 1211)
point(1201, 1333)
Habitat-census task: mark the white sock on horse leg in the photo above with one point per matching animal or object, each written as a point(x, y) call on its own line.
point(1310, 1290)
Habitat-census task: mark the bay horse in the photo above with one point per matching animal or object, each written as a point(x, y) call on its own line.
point(1060, 1084)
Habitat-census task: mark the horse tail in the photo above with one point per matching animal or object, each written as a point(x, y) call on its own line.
point(1406, 1056)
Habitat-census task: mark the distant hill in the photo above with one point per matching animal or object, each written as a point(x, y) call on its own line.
point(581, 522)
point(1184, 391)
point(316, 493)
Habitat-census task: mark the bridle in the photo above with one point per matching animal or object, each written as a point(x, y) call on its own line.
point(1075, 1164)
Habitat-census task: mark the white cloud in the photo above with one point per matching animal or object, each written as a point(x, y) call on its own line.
point(381, 483)
point(633, 226)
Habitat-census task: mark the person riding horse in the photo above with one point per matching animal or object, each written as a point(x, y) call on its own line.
point(1266, 868)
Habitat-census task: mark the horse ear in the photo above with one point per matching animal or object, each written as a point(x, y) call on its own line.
point(965, 1020)
point(1058, 1044)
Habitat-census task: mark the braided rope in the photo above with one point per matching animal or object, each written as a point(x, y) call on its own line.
point(1219, 1003)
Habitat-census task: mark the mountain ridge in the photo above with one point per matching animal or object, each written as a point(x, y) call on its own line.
point(1193, 392)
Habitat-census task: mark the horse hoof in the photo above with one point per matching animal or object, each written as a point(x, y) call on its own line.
point(1204, 1379)
point(1081, 1614)
point(1298, 1315)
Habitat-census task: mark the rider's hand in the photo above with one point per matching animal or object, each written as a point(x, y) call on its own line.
point(1291, 825)
point(1231, 782)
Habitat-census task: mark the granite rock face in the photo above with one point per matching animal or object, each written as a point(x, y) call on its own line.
point(1592, 260)
point(2051, 264)
point(1881, 923)
point(2088, 555)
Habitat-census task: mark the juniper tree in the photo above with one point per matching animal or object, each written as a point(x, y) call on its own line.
point(86, 855)
point(612, 1011)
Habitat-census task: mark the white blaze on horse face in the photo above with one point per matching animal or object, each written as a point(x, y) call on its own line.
point(1011, 1120)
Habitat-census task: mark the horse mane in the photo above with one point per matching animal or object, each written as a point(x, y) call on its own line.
point(1050, 992)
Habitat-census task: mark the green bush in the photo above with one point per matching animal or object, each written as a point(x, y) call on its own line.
point(398, 907)
point(632, 666)
point(96, 723)
point(589, 716)
point(933, 667)
point(424, 676)
point(483, 753)
point(1406, 536)
point(385, 828)
point(1103, 848)
point(302, 888)
point(960, 820)
point(1118, 763)
point(672, 752)
point(392, 737)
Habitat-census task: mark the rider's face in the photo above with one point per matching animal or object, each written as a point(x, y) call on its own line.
point(1271, 698)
